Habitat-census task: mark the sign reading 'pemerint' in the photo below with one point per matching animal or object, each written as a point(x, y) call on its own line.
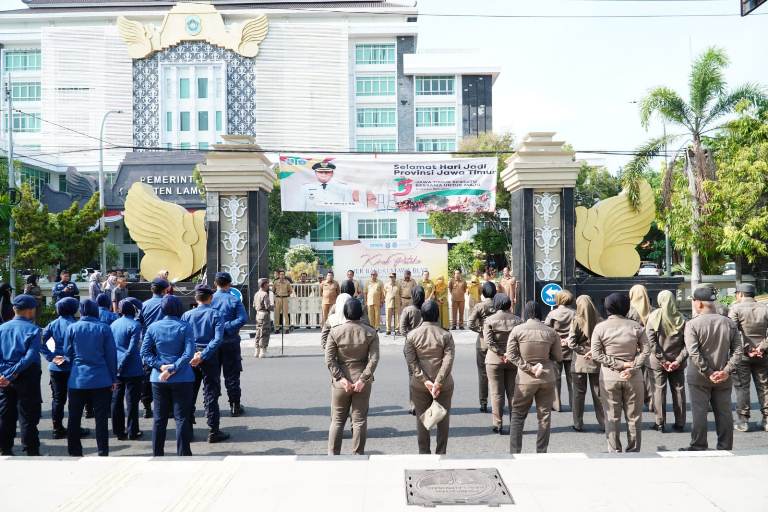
point(171, 185)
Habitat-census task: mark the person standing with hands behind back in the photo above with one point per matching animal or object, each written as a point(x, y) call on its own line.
point(585, 369)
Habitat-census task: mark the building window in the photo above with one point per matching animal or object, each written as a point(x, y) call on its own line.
point(184, 145)
point(183, 88)
point(482, 225)
point(435, 85)
point(423, 229)
point(377, 228)
point(325, 257)
point(169, 121)
point(26, 91)
point(202, 88)
point(375, 86)
point(35, 178)
point(23, 122)
point(63, 183)
point(435, 116)
point(127, 240)
point(202, 146)
point(219, 120)
point(435, 144)
point(130, 260)
point(376, 145)
point(375, 53)
point(184, 121)
point(328, 228)
point(376, 118)
point(202, 121)
point(22, 60)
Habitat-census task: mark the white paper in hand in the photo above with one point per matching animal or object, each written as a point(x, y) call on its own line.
point(433, 415)
point(538, 369)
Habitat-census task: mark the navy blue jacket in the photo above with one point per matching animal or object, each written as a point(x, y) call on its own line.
point(57, 330)
point(90, 347)
point(169, 341)
point(58, 291)
point(232, 313)
point(127, 333)
point(207, 329)
point(151, 311)
point(106, 316)
point(19, 346)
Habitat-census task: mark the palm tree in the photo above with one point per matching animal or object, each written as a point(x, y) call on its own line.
point(709, 101)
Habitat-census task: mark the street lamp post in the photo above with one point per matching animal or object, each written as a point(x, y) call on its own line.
point(101, 187)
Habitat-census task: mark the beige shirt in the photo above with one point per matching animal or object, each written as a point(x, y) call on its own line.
point(406, 289)
point(751, 319)
point(374, 293)
point(666, 348)
point(429, 352)
point(458, 289)
point(616, 341)
point(560, 320)
point(429, 289)
point(329, 292)
point(580, 345)
point(714, 344)
point(352, 352)
point(392, 295)
point(410, 318)
point(508, 285)
point(477, 316)
point(261, 302)
point(282, 288)
point(532, 343)
point(496, 331)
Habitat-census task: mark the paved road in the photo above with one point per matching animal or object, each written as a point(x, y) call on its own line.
point(287, 402)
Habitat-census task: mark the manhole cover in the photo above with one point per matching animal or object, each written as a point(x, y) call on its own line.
point(433, 487)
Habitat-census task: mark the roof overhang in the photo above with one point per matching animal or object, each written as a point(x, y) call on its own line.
point(449, 63)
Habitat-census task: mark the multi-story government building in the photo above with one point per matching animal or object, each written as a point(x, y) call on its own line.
point(310, 77)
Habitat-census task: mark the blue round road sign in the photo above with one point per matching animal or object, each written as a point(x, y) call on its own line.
point(236, 293)
point(548, 293)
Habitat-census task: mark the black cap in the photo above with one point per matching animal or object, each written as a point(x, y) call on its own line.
point(224, 275)
point(704, 293)
point(203, 288)
point(324, 166)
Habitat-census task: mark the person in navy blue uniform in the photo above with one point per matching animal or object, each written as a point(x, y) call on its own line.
point(59, 373)
point(105, 309)
point(90, 347)
point(20, 397)
point(130, 371)
point(234, 317)
point(64, 288)
point(168, 348)
point(208, 330)
point(151, 312)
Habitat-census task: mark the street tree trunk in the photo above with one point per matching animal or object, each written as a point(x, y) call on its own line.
point(739, 268)
point(691, 168)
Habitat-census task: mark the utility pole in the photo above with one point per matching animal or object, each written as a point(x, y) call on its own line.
point(11, 183)
point(102, 199)
point(667, 241)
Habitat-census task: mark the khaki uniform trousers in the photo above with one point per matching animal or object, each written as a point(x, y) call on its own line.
point(544, 394)
point(263, 329)
point(563, 367)
point(501, 384)
point(326, 309)
point(482, 375)
point(422, 400)
point(748, 370)
point(393, 314)
point(623, 396)
point(580, 381)
point(649, 382)
point(719, 397)
point(344, 405)
point(457, 314)
point(281, 313)
point(374, 315)
point(676, 381)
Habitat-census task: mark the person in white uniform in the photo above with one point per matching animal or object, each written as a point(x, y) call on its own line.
point(325, 193)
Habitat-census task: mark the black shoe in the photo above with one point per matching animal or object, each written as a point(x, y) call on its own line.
point(84, 432)
point(657, 427)
point(33, 453)
point(148, 412)
point(235, 409)
point(135, 437)
point(483, 407)
point(412, 412)
point(7, 453)
point(577, 429)
point(496, 429)
point(678, 428)
point(193, 420)
point(59, 433)
point(121, 437)
point(691, 449)
point(217, 436)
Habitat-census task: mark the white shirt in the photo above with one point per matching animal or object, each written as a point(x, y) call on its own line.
point(334, 194)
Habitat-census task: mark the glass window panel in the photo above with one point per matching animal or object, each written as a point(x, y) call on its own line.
point(63, 183)
point(376, 145)
point(202, 88)
point(377, 228)
point(219, 120)
point(202, 145)
point(184, 145)
point(26, 91)
point(435, 116)
point(328, 227)
point(375, 86)
point(183, 88)
point(169, 121)
point(423, 229)
point(130, 260)
point(22, 60)
point(35, 178)
point(376, 118)
point(435, 144)
point(375, 53)
point(202, 121)
point(435, 85)
point(184, 121)
point(127, 240)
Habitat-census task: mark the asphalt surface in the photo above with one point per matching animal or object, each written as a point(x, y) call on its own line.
point(287, 401)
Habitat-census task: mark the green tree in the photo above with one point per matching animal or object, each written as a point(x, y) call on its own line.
point(113, 255)
point(75, 234)
point(462, 256)
point(35, 249)
point(298, 254)
point(709, 100)
point(593, 184)
point(491, 241)
point(283, 226)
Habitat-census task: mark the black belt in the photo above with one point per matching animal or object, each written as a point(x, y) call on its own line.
point(283, 296)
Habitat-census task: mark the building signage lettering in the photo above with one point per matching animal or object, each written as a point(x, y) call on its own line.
point(183, 185)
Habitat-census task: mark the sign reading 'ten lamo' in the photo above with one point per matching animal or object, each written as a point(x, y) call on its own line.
point(385, 256)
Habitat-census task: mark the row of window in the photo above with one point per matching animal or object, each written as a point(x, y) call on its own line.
point(185, 121)
point(22, 60)
point(390, 145)
point(26, 91)
point(329, 228)
point(201, 91)
point(386, 117)
point(384, 85)
point(23, 122)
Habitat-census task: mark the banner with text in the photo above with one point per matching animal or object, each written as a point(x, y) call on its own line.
point(315, 184)
point(386, 256)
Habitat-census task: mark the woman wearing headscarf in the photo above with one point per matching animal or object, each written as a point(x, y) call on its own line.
point(351, 354)
point(585, 369)
point(410, 318)
point(94, 285)
point(560, 320)
point(441, 296)
point(90, 348)
point(429, 352)
point(666, 328)
point(501, 371)
point(335, 317)
point(59, 372)
point(639, 311)
point(32, 288)
point(168, 347)
point(130, 372)
point(477, 316)
point(6, 306)
point(621, 347)
point(105, 309)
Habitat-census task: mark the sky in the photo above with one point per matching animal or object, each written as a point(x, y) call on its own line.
point(580, 77)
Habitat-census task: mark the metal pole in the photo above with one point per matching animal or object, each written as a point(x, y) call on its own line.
point(11, 185)
point(667, 241)
point(101, 188)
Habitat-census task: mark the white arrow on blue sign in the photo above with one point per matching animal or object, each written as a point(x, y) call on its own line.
point(548, 293)
point(236, 293)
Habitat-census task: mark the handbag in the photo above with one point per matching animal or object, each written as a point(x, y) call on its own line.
point(433, 415)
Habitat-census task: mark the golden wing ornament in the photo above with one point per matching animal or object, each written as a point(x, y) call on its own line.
point(608, 233)
point(136, 35)
point(170, 236)
point(252, 33)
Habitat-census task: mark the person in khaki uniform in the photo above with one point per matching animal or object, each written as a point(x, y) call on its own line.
point(714, 351)
point(329, 290)
point(666, 329)
point(392, 304)
point(428, 285)
point(473, 291)
point(352, 354)
point(535, 350)
point(410, 319)
point(501, 372)
point(429, 352)
point(283, 289)
point(751, 318)
point(458, 288)
point(374, 297)
point(263, 306)
point(639, 311)
point(406, 290)
point(477, 316)
point(560, 320)
point(358, 290)
point(621, 347)
point(441, 296)
point(585, 370)
point(508, 284)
